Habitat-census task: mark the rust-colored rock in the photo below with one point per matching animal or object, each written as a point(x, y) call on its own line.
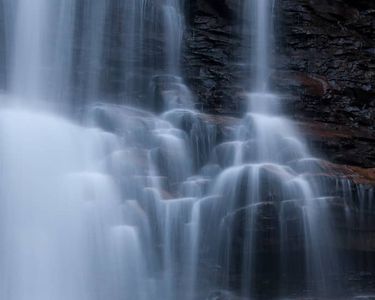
point(357, 174)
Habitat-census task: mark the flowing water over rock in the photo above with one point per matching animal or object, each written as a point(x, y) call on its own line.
point(141, 196)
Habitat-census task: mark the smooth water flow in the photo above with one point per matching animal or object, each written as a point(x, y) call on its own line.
point(277, 147)
point(258, 17)
point(61, 219)
point(38, 68)
point(77, 218)
point(30, 30)
point(114, 187)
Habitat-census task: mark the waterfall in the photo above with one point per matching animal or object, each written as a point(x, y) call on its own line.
point(264, 176)
point(62, 225)
point(258, 17)
point(63, 231)
point(83, 208)
point(113, 186)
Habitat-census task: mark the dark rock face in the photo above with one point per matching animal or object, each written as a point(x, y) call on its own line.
point(212, 45)
point(342, 144)
point(328, 58)
point(325, 67)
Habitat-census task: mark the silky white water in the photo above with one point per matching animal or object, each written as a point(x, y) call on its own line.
point(62, 230)
point(69, 230)
point(114, 187)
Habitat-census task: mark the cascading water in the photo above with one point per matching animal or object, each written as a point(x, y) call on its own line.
point(82, 209)
point(261, 180)
point(62, 225)
point(154, 200)
point(278, 146)
point(62, 222)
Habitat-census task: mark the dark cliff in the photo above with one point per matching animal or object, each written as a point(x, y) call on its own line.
point(324, 68)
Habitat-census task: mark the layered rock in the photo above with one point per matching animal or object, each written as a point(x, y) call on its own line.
point(212, 45)
point(327, 59)
point(342, 144)
point(325, 68)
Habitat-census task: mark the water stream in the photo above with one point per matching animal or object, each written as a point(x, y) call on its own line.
point(124, 191)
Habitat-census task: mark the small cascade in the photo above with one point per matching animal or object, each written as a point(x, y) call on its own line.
point(162, 177)
point(172, 90)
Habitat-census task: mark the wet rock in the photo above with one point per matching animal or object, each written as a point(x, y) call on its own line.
point(209, 58)
point(364, 298)
point(356, 174)
point(341, 144)
point(329, 40)
point(203, 134)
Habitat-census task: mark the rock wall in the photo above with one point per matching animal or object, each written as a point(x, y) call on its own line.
point(327, 57)
point(213, 48)
point(327, 65)
point(324, 68)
